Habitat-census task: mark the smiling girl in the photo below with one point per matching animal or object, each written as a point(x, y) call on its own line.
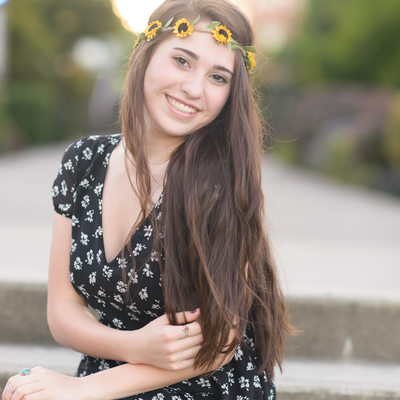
point(160, 229)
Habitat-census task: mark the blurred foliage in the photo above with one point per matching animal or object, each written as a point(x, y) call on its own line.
point(334, 92)
point(347, 40)
point(45, 94)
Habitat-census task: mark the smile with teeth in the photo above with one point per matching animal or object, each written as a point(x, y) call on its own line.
point(181, 107)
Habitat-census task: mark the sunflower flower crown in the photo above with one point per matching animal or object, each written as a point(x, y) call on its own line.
point(183, 28)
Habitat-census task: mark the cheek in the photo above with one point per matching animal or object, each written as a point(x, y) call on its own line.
point(218, 99)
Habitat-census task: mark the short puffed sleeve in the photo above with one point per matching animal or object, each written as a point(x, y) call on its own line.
point(64, 185)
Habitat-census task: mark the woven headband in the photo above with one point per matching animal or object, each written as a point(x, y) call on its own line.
point(183, 28)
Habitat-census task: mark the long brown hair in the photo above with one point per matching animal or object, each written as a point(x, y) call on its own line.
point(213, 208)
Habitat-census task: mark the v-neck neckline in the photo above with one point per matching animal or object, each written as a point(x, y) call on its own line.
point(103, 177)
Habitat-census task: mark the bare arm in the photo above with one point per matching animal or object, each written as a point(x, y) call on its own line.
point(73, 326)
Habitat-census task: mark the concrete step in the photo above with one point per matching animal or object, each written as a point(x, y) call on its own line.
point(301, 379)
point(304, 379)
point(332, 328)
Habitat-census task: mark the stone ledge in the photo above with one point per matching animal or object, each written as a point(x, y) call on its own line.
point(332, 328)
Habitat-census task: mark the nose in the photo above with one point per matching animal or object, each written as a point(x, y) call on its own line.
point(193, 86)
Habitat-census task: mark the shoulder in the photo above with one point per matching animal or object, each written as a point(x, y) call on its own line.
point(81, 153)
point(86, 147)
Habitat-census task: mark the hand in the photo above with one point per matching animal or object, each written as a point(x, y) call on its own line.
point(172, 347)
point(43, 384)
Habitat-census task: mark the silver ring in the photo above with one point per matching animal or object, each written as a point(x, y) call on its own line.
point(186, 330)
point(10, 389)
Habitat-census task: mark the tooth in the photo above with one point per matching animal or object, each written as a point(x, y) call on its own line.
point(181, 107)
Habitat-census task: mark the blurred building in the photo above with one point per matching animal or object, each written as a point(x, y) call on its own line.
point(273, 20)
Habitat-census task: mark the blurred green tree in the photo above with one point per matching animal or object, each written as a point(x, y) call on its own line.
point(347, 40)
point(46, 93)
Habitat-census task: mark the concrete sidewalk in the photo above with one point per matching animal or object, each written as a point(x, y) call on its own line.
point(328, 239)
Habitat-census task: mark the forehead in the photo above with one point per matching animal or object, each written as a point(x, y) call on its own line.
point(204, 46)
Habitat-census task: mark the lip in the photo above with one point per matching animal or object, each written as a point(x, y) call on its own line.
point(177, 113)
point(184, 102)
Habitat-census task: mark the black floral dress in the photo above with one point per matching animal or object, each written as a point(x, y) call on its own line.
point(77, 194)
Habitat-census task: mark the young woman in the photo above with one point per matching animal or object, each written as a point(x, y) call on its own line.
point(160, 229)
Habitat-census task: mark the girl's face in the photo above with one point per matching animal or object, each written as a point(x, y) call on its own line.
point(186, 84)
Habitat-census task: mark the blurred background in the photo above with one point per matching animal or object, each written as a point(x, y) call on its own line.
point(329, 85)
point(331, 65)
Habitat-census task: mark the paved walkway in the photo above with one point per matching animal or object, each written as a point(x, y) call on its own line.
point(328, 239)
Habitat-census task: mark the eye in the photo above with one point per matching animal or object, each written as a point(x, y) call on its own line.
point(181, 61)
point(219, 78)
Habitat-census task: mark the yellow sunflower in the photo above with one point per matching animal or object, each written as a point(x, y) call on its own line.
point(183, 28)
point(152, 29)
point(136, 43)
point(222, 34)
point(252, 61)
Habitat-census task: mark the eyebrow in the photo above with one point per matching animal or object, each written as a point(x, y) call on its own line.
point(196, 57)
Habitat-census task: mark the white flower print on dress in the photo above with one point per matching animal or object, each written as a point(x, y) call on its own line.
point(89, 216)
point(103, 365)
point(147, 271)
point(84, 183)
point(122, 287)
point(71, 277)
point(118, 298)
point(238, 353)
point(92, 278)
point(134, 278)
point(90, 257)
point(224, 388)
point(107, 272)
point(98, 232)
point(78, 263)
point(73, 245)
point(75, 221)
point(98, 256)
point(100, 149)
point(64, 207)
point(256, 381)
point(106, 160)
point(118, 323)
point(231, 379)
point(143, 293)
point(154, 256)
point(122, 263)
point(244, 383)
point(101, 301)
point(250, 366)
point(87, 153)
point(54, 191)
point(79, 143)
point(64, 188)
point(158, 396)
point(84, 238)
point(85, 202)
point(148, 230)
point(68, 165)
point(83, 290)
point(98, 189)
point(138, 248)
point(101, 292)
point(204, 383)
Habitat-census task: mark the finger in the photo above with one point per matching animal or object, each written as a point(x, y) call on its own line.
point(26, 389)
point(187, 330)
point(184, 364)
point(188, 354)
point(187, 316)
point(182, 345)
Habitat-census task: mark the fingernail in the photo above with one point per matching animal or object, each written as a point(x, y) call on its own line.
point(194, 311)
